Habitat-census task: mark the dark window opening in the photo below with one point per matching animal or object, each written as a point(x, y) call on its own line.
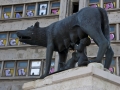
point(75, 7)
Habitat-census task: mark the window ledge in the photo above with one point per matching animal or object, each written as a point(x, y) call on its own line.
point(18, 19)
point(112, 42)
point(20, 78)
point(115, 41)
point(115, 9)
point(23, 46)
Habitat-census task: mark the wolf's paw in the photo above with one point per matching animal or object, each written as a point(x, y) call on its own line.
point(43, 76)
point(94, 60)
point(84, 63)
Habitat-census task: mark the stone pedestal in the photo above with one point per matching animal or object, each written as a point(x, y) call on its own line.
point(92, 77)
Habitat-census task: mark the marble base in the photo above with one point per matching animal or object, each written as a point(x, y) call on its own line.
point(92, 77)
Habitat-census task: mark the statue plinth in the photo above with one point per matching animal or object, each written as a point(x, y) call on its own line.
point(92, 77)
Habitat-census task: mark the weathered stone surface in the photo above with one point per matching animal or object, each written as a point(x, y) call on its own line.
point(96, 65)
point(12, 84)
point(23, 53)
point(21, 25)
point(92, 77)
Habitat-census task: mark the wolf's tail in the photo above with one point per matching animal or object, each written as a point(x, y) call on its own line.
point(105, 24)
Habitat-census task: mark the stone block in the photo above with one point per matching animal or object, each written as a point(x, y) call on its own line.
point(92, 77)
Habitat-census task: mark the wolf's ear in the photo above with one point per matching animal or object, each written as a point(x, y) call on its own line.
point(36, 24)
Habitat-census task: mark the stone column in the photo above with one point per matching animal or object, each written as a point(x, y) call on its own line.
point(36, 9)
point(0, 12)
point(12, 12)
point(83, 3)
point(117, 66)
point(24, 11)
point(56, 61)
point(63, 8)
point(2, 65)
point(117, 32)
point(117, 3)
point(101, 3)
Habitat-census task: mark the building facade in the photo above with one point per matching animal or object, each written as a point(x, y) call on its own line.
point(20, 62)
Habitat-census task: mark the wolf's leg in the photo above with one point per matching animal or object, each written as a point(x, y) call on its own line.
point(109, 56)
point(49, 54)
point(97, 35)
point(109, 53)
point(62, 59)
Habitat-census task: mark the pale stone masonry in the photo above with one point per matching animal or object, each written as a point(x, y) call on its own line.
point(92, 77)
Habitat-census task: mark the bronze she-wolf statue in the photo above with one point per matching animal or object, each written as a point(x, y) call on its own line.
point(59, 35)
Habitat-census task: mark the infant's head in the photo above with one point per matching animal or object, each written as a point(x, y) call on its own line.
point(86, 41)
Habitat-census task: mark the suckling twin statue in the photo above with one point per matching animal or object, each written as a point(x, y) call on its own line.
point(72, 32)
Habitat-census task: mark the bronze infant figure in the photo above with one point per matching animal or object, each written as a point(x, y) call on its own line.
point(78, 56)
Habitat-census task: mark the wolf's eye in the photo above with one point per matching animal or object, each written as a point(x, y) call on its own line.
point(32, 33)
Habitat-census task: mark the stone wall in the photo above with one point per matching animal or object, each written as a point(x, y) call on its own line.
point(12, 84)
point(14, 25)
point(23, 53)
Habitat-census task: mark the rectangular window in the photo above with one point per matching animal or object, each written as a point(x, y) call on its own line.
point(112, 32)
point(30, 10)
point(55, 7)
point(75, 7)
point(13, 39)
point(21, 68)
point(3, 39)
point(6, 12)
point(35, 68)
point(18, 11)
point(94, 3)
point(42, 9)
point(9, 68)
point(52, 68)
point(109, 4)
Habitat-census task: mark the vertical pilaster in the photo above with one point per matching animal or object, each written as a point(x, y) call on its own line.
point(15, 67)
point(48, 9)
point(117, 3)
point(63, 8)
point(117, 32)
point(101, 3)
point(117, 66)
point(0, 12)
point(56, 61)
point(36, 9)
point(2, 67)
point(24, 11)
point(68, 8)
point(83, 3)
point(27, 74)
point(12, 12)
